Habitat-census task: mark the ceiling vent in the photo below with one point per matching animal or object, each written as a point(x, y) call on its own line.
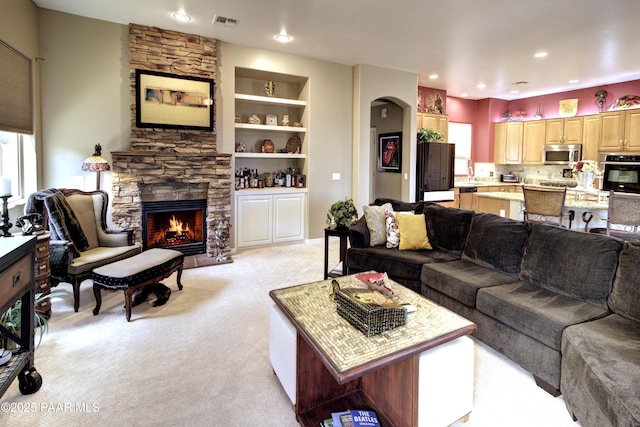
point(227, 22)
point(521, 82)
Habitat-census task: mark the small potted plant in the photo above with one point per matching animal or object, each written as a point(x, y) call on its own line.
point(342, 214)
point(11, 319)
point(430, 135)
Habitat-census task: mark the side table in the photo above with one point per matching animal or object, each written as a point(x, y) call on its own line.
point(340, 269)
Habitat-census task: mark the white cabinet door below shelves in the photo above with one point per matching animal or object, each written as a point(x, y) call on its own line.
point(289, 217)
point(264, 219)
point(255, 219)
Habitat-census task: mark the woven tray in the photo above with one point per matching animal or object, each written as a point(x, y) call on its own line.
point(369, 316)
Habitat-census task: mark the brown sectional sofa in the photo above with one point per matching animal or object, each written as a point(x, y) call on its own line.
point(563, 304)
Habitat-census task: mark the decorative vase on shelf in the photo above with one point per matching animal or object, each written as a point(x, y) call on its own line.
point(585, 180)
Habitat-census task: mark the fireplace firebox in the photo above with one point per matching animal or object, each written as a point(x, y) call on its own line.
point(178, 225)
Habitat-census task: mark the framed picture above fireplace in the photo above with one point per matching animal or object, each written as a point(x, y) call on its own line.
point(171, 101)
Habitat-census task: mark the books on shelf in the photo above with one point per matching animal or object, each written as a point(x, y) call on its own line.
point(353, 418)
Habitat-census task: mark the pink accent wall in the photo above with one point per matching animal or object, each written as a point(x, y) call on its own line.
point(425, 94)
point(586, 100)
point(483, 113)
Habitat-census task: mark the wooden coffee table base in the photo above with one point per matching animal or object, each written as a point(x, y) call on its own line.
point(419, 374)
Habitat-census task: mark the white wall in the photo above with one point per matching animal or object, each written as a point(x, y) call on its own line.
point(330, 88)
point(85, 95)
point(19, 29)
point(371, 83)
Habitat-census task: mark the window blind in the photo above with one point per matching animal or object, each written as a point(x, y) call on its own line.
point(16, 100)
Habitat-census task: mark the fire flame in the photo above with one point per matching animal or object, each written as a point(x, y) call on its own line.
point(176, 225)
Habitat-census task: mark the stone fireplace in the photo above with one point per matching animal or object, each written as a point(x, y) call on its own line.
point(177, 181)
point(167, 166)
point(175, 225)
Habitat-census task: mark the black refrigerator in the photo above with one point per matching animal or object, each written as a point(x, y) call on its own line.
point(435, 163)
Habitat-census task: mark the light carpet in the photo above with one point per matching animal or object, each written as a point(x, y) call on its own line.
point(203, 358)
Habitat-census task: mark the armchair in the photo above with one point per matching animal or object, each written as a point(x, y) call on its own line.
point(80, 239)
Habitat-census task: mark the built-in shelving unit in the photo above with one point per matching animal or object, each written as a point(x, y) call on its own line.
point(271, 215)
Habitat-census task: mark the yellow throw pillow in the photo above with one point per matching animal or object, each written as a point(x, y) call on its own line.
point(413, 232)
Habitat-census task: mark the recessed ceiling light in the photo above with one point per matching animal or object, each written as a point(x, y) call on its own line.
point(433, 76)
point(540, 55)
point(515, 91)
point(574, 81)
point(283, 37)
point(181, 16)
point(481, 86)
point(464, 95)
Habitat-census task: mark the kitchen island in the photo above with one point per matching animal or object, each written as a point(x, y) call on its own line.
point(510, 205)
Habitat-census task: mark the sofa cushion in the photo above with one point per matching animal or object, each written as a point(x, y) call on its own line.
point(447, 227)
point(376, 223)
point(496, 242)
point(393, 232)
point(359, 234)
point(413, 231)
point(461, 279)
point(400, 206)
point(534, 311)
point(399, 265)
point(576, 264)
point(625, 295)
point(600, 374)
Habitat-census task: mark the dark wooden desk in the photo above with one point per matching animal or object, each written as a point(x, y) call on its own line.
point(16, 284)
point(340, 269)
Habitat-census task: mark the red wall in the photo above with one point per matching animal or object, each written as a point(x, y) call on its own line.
point(484, 112)
point(586, 100)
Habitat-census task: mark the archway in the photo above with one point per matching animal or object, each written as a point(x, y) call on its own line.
point(386, 157)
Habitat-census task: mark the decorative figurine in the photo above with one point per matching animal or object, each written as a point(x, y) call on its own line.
point(270, 88)
point(601, 98)
point(254, 119)
point(240, 148)
point(271, 120)
point(222, 234)
point(267, 146)
point(285, 120)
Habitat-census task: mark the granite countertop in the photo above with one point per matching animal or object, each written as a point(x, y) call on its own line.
point(484, 184)
point(574, 199)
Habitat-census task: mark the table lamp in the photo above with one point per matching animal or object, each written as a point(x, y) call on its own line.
point(97, 164)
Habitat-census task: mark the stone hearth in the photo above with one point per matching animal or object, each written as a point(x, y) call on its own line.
point(156, 176)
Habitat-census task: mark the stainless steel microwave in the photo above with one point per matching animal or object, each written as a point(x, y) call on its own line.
point(561, 154)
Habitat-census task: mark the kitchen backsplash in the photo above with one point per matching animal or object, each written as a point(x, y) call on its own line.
point(529, 174)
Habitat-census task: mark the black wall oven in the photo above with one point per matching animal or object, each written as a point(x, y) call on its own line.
point(621, 172)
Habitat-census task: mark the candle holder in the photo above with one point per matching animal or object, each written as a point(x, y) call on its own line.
point(5, 225)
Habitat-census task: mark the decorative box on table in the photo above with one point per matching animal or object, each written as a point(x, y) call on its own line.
point(370, 312)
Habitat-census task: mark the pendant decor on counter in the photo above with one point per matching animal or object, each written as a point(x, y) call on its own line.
point(585, 180)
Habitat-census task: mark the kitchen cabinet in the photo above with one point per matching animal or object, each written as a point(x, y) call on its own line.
point(564, 130)
point(493, 189)
point(265, 217)
point(620, 131)
point(495, 206)
point(590, 137)
point(434, 121)
point(507, 148)
point(533, 140)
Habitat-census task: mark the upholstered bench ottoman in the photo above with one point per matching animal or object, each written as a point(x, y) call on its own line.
point(135, 272)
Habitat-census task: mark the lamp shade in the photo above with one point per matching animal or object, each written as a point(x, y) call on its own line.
point(96, 162)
